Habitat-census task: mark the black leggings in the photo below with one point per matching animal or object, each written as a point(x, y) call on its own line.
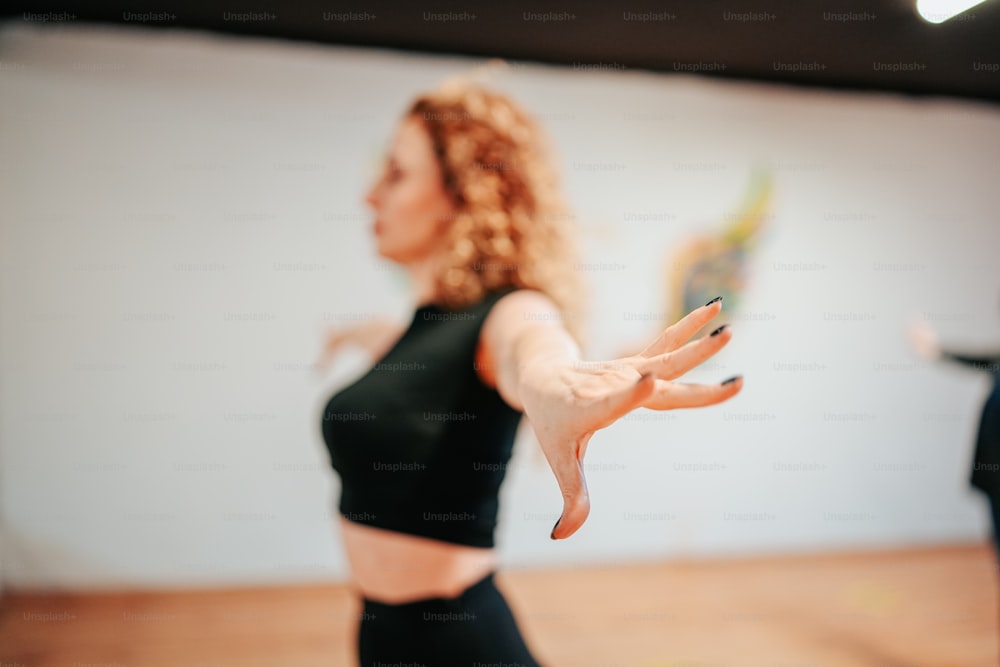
point(474, 627)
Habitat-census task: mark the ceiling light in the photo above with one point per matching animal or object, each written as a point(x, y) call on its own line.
point(939, 11)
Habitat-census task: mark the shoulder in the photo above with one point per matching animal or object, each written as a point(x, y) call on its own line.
point(507, 318)
point(518, 308)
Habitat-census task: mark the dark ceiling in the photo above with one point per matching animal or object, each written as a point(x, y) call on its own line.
point(875, 45)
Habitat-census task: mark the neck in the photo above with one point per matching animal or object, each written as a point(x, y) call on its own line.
point(422, 278)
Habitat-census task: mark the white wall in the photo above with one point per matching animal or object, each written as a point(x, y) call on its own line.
point(182, 219)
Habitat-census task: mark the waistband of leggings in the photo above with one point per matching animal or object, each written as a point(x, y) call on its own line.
point(485, 583)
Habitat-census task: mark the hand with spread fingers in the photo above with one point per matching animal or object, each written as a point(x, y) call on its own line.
point(566, 402)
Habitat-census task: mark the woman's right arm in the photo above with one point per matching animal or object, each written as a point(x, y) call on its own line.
point(375, 337)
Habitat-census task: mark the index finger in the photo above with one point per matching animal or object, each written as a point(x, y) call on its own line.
point(678, 333)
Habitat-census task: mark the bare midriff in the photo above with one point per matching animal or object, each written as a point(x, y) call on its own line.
point(392, 567)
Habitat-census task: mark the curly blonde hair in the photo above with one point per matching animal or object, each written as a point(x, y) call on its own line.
point(512, 226)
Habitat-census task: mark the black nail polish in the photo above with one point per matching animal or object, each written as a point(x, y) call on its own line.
point(719, 330)
point(732, 379)
point(718, 298)
point(552, 535)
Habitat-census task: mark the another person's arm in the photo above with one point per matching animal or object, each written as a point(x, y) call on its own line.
point(925, 343)
point(983, 362)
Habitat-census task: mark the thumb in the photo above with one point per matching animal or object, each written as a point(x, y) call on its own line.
point(568, 465)
point(573, 485)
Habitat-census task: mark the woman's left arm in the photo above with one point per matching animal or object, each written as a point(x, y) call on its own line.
point(537, 368)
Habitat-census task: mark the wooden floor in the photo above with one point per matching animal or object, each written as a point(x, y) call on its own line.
point(927, 608)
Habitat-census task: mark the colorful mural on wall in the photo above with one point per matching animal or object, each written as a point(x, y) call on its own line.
point(716, 261)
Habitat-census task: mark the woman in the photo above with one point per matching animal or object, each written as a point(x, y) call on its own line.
point(468, 203)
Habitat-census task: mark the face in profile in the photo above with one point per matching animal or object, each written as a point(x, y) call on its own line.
point(411, 206)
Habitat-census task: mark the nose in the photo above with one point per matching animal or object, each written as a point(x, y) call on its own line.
point(373, 195)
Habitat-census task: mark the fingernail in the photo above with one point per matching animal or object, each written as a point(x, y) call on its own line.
point(718, 298)
point(552, 535)
point(732, 379)
point(719, 330)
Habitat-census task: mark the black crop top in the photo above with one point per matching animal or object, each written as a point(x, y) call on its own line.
point(421, 445)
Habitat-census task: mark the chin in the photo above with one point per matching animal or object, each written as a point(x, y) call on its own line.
point(395, 253)
point(386, 252)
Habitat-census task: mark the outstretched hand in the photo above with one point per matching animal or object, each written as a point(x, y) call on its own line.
point(566, 403)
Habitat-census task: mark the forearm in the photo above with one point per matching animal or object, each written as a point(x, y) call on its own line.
point(535, 353)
